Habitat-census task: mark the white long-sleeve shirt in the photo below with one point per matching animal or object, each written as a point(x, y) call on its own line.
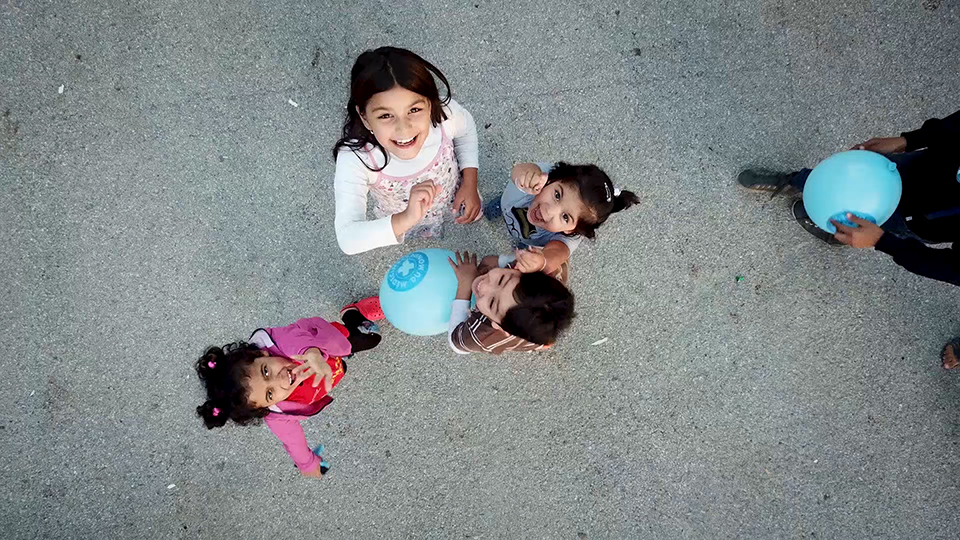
point(353, 180)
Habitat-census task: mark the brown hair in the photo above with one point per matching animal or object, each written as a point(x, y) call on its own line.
point(380, 70)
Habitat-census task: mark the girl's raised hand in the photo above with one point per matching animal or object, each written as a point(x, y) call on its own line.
point(529, 178)
point(315, 364)
point(420, 200)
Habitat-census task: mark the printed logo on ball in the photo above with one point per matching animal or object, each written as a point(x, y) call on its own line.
point(408, 272)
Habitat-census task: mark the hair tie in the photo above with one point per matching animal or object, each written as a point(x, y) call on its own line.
point(212, 364)
point(608, 186)
point(216, 411)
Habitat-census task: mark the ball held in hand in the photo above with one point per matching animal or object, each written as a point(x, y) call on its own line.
point(860, 182)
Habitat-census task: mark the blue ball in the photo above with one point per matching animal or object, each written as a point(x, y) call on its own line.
point(417, 292)
point(860, 182)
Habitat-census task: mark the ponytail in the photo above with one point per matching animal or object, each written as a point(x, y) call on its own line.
point(623, 199)
point(597, 192)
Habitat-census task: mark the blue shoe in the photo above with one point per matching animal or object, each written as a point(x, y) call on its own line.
point(492, 209)
point(324, 466)
point(369, 327)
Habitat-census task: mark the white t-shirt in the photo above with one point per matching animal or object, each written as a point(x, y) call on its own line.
point(514, 205)
point(352, 181)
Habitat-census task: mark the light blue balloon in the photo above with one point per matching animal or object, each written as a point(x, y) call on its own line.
point(860, 182)
point(417, 292)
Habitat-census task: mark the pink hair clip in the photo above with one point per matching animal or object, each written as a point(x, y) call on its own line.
point(212, 364)
point(216, 411)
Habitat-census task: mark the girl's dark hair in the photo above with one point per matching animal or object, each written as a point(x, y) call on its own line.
point(224, 371)
point(544, 309)
point(597, 193)
point(380, 70)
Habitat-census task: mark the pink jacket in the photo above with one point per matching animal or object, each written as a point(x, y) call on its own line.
point(284, 418)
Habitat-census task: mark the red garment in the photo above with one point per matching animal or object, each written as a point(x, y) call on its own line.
point(305, 392)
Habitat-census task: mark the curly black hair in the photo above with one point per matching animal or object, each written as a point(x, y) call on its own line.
point(597, 192)
point(224, 372)
point(544, 309)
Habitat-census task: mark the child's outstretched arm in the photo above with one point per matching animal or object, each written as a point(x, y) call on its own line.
point(935, 132)
point(913, 255)
point(459, 337)
point(466, 147)
point(547, 260)
point(290, 433)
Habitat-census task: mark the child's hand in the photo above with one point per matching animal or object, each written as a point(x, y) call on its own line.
point(313, 364)
point(468, 197)
point(529, 261)
point(864, 235)
point(420, 200)
point(883, 145)
point(529, 178)
point(465, 267)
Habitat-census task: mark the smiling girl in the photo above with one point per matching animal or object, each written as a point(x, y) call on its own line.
point(283, 375)
point(414, 152)
point(548, 209)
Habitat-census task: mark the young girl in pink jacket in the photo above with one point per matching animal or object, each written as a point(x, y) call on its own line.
point(283, 375)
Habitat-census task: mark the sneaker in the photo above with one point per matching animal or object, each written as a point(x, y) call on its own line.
point(766, 181)
point(800, 214)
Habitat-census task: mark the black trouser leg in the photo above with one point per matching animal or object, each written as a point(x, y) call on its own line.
point(359, 341)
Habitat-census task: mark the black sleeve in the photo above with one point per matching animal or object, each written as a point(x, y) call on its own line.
point(935, 132)
point(941, 264)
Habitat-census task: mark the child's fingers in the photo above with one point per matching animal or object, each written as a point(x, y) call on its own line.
point(541, 182)
point(844, 237)
point(858, 220)
point(302, 368)
point(842, 228)
point(302, 373)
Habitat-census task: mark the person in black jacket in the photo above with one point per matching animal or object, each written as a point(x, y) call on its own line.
point(929, 211)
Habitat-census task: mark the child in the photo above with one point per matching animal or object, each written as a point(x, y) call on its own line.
point(413, 151)
point(283, 375)
point(929, 209)
point(548, 209)
point(515, 311)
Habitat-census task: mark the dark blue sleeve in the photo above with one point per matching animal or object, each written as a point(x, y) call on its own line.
point(913, 255)
point(934, 133)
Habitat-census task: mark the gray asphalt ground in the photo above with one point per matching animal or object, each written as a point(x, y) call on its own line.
point(171, 198)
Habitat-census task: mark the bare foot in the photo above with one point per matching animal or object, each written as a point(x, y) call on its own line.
point(949, 355)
